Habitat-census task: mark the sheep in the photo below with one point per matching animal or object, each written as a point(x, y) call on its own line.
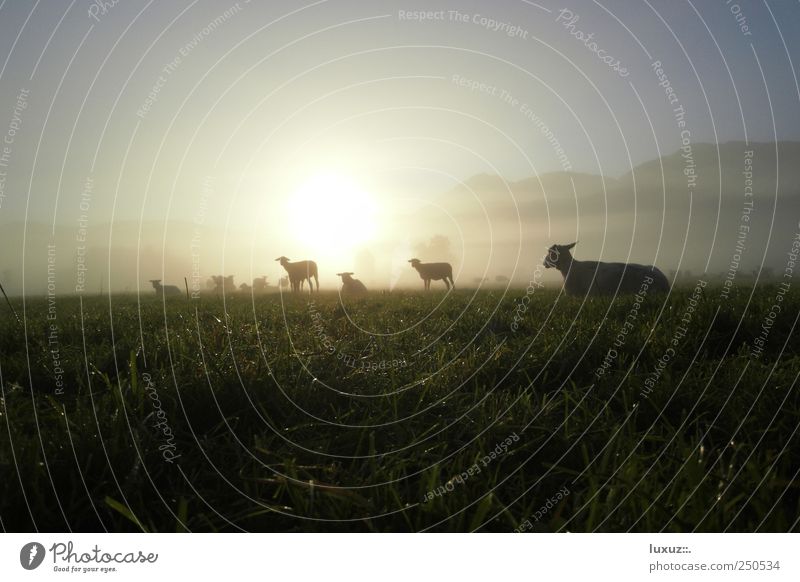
point(221, 284)
point(260, 284)
point(300, 271)
point(164, 289)
point(435, 272)
point(351, 286)
point(597, 278)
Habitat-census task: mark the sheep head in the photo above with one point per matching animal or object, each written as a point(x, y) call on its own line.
point(345, 276)
point(415, 262)
point(282, 260)
point(155, 282)
point(555, 254)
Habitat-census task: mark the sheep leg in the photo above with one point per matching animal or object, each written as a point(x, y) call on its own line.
point(447, 283)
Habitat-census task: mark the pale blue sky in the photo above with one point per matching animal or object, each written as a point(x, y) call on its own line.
point(279, 91)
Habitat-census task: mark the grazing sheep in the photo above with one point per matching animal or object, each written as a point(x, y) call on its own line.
point(434, 272)
point(260, 284)
point(300, 271)
point(351, 286)
point(164, 289)
point(596, 278)
point(221, 284)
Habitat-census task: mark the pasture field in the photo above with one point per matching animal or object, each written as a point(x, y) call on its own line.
point(402, 412)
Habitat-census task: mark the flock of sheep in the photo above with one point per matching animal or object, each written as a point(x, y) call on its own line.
point(580, 277)
point(303, 271)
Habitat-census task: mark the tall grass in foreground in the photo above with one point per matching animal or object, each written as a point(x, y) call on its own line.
point(280, 415)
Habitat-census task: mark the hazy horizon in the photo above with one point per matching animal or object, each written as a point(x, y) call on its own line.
point(194, 139)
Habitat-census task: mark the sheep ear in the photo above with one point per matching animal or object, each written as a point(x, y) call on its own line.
point(570, 246)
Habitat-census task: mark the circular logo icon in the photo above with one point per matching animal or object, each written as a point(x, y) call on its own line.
point(31, 555)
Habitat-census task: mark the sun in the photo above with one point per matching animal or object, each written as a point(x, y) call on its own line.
point(331, 214)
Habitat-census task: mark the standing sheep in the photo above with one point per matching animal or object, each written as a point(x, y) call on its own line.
point(300, 271)
point(351, 286)
point(597, 278)
point(164, 290)
point(260, 284)
point(434, 272)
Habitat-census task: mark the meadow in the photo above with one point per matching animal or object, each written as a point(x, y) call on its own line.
point(405, 411)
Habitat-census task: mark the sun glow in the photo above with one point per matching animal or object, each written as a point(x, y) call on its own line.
point(331, 214)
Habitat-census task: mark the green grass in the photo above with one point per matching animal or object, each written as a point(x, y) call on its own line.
point(276, 433)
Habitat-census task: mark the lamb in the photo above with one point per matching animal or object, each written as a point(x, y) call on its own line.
point(260, 284)
point(597, 278)
point(351, 286)
point(434, 271)
point(164, 289)
point(300, 271)
point(221, 284)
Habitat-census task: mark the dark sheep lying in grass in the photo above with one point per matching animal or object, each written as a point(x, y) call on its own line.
point(597, 278)
point(351, 286)
point(164, 289)
point(300, 271)
point(434, 272)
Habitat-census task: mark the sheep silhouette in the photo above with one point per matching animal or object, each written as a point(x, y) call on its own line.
point(165, 290)
point(598, 278)
point(300, 271)
point(351, 286)
point(434, 272)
